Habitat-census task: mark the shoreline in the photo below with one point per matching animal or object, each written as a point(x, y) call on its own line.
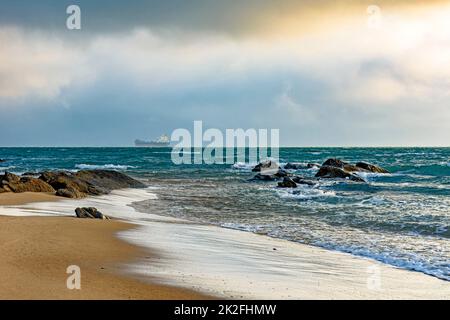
point(243, 265)
point(36, 251)
point(236, 264)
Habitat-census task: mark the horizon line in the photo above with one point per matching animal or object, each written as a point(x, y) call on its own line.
point(134, 147)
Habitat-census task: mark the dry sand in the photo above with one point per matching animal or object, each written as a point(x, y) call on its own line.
point(36, 251)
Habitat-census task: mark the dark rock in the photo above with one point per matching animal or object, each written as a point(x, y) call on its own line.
point(343, 165)
point(299, 165)
point(2, 160)
point(336, 172)
point(12, 183)
point(29, 184)
point(336, 168)
point(281, 173)
point(10, 177)
point(353, 168)
point(359, 167)
point(70, 193)
point(265, 177)
point(346, 166)
point(268, 167)
point(301, 180)
point(4, 189)
point(90, 213)
point(108, 179)
point(70, 185)
point(88, 182)
point(295, 166)
point(371, 167)
point(287, 183)
point(334, 162)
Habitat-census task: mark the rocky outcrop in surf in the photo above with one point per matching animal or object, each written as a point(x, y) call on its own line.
point(293, 182)
point(371, 167)
point(70, 184)
point(332, 168)
point(269, 176)
point(336, 172)
point(301, 180)
point(336, 168)
point(266, 166)
point(269, 171)
point(88, 182)
point(287, 183)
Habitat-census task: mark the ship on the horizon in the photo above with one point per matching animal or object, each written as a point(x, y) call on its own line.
point(162, 141)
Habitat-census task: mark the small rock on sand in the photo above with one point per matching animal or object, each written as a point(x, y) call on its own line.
point(90, 213)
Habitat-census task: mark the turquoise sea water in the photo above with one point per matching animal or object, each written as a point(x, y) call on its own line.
point(402, 218)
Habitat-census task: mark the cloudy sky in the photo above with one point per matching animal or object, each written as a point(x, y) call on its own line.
point(326, 73)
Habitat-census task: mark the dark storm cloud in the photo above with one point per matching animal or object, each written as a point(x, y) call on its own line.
point(130, 77)
point(228, 16)
point(209, 15)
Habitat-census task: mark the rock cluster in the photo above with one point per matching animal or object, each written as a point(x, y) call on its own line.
point(336, 172)
point(331, 169)
point(69, 184)
point(11, 183)
point(336, 168)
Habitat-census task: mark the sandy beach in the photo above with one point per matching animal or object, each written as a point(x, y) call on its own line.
point(36, 252)
point(147, 260)
point(15, 199)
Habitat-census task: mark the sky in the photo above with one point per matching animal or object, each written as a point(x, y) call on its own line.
point(325, 73)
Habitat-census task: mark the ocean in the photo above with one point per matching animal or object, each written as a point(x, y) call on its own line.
point(401, 218)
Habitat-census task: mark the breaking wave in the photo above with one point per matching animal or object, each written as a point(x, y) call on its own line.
point(84, 166)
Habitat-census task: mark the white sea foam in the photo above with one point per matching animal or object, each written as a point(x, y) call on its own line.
point(371, 176)
point(6, 168)
point(161, 152)
point(116, 204)
point(236, 264)
point(302, 164)
point(244, 166)
point(375, 200)
point(84, 166)
point(303, 193)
